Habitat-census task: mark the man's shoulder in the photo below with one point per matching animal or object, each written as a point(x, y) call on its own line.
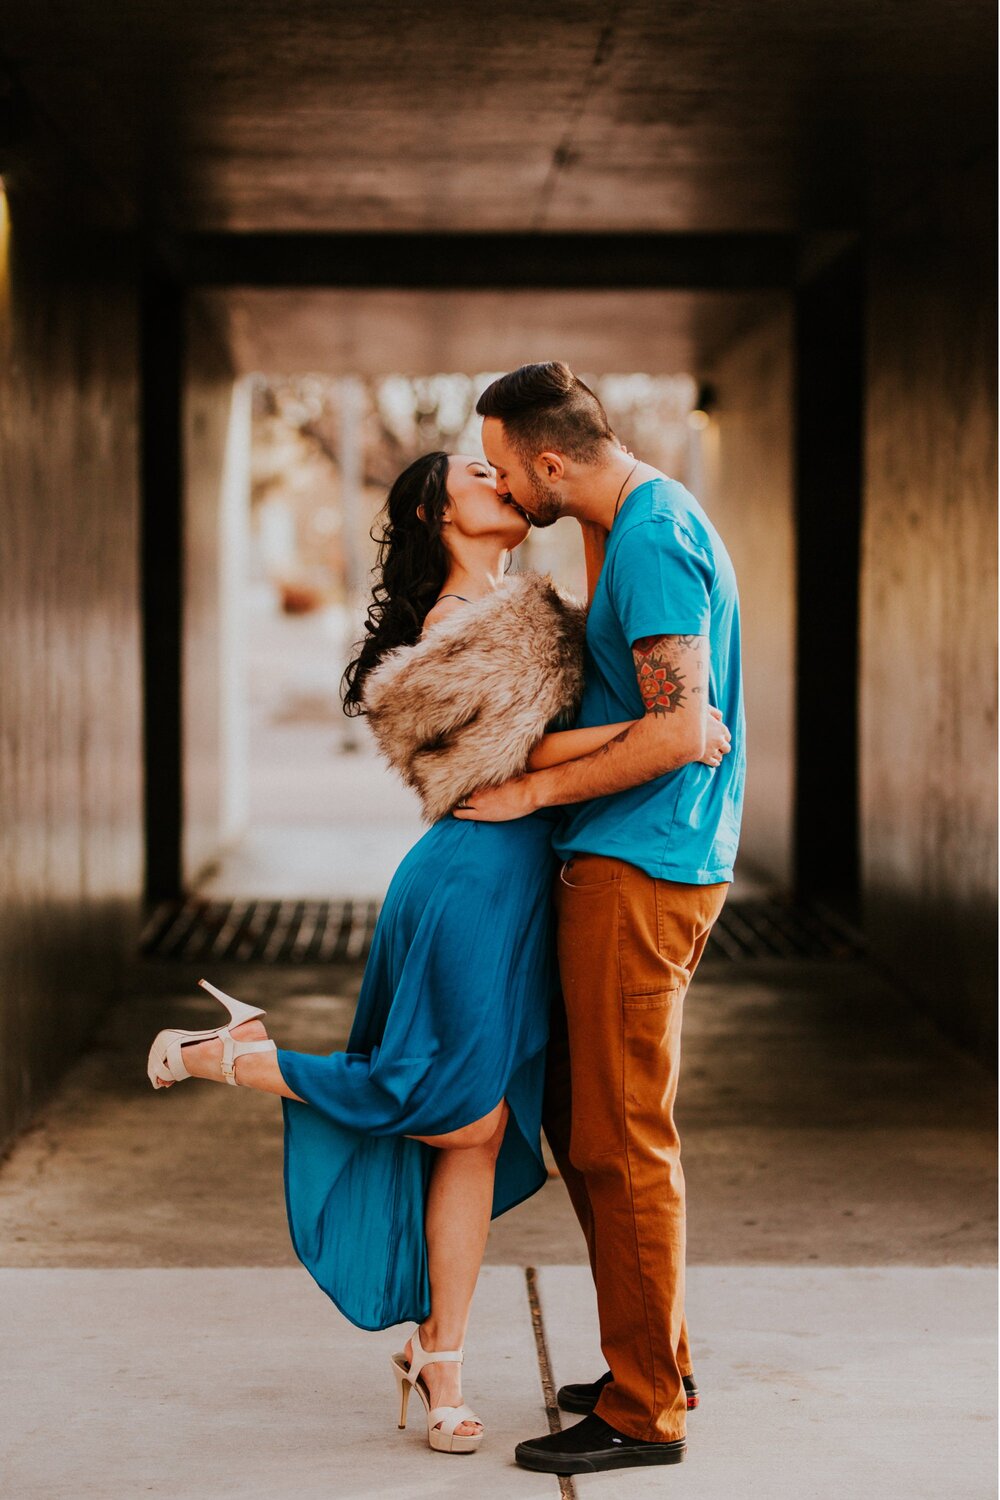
point(668, 514)
point(674, 502)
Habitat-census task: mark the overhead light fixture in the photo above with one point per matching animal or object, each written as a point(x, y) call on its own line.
point(704, 401)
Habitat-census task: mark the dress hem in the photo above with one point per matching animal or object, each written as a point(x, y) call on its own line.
point(420, 1316)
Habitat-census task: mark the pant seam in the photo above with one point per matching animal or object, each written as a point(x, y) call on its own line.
point(628, 1163)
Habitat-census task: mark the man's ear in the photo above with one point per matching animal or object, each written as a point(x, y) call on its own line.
point(552, 465)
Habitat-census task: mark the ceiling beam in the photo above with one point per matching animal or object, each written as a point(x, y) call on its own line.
point(474, 261)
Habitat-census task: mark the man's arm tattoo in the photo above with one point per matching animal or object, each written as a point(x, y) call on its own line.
point(663, 683)
point(615, 739)
point(646, 643)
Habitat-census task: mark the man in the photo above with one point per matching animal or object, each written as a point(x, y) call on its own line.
point(647, 844)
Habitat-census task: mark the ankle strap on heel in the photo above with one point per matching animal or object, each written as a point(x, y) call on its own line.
point(232, 1049)
point(422, 1356)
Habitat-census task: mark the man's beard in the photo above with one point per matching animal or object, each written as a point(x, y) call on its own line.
point(546, 505)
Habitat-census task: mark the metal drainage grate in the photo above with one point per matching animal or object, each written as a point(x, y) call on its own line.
point(267, 932)
point(781, 928)
point(307, 932)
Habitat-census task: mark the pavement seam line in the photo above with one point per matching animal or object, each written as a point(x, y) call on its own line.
point(566, 1487)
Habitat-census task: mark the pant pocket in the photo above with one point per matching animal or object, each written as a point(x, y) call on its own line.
point(658, 999)
point(651, 1027)
point(586, 872)
point(649, 969)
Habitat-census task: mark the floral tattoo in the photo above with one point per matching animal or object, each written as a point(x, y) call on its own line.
point(663, 684)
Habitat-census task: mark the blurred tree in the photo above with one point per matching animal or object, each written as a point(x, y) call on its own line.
point(296, 463)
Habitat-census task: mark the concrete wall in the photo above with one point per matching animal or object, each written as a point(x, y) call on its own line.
point(927, 689)
point(747, 466)
point(928, 609)
point(70, 706)
point(216, 440)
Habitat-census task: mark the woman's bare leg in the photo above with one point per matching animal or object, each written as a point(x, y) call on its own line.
point(457, 1224)
point(457, 1219)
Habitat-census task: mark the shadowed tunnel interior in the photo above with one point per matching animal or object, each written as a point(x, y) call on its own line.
point(789, 209)
point(794, 204)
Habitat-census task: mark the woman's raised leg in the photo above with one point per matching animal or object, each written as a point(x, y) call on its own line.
point(457, 1217)
point(256, 1071)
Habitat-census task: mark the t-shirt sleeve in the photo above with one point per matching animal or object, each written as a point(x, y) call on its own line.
point(661, 582)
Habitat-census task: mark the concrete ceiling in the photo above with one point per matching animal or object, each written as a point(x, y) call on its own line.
point(420, 333)
point(317, 115)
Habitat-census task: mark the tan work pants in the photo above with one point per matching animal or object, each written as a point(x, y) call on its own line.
point(628, 946)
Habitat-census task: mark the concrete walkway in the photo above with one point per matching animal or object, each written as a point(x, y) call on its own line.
point(161, 1339)
point(817, 1384)
point(191, 1384)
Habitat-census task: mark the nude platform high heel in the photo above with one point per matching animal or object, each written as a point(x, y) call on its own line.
point(166, 1058)
point(444, 1438)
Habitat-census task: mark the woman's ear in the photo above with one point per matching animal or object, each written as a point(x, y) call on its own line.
point(445, 518)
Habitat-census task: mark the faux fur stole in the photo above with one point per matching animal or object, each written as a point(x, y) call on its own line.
point(464, 706)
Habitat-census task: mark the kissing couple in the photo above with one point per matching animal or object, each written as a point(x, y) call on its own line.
point(582, 769)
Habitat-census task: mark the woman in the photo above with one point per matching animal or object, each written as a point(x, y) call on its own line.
point(399, 1150)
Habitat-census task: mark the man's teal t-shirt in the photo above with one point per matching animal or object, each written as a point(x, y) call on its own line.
point(666, 572)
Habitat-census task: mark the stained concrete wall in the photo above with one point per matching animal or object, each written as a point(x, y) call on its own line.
point(70, 707)
point(748, 493)
point(214, 416)
point(928, 608)
point(928, 605)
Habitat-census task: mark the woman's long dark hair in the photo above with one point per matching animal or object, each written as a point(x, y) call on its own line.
point(412, 564)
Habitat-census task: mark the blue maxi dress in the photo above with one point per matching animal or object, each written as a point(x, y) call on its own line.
point(452, 1017)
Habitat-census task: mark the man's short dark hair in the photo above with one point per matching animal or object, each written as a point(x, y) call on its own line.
point(547, 407)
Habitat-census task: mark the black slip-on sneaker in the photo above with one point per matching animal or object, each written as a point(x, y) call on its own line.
point(591, 1446)
point(583, 1397)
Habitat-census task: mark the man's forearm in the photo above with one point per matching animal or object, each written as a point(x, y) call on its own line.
point(643, 751)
